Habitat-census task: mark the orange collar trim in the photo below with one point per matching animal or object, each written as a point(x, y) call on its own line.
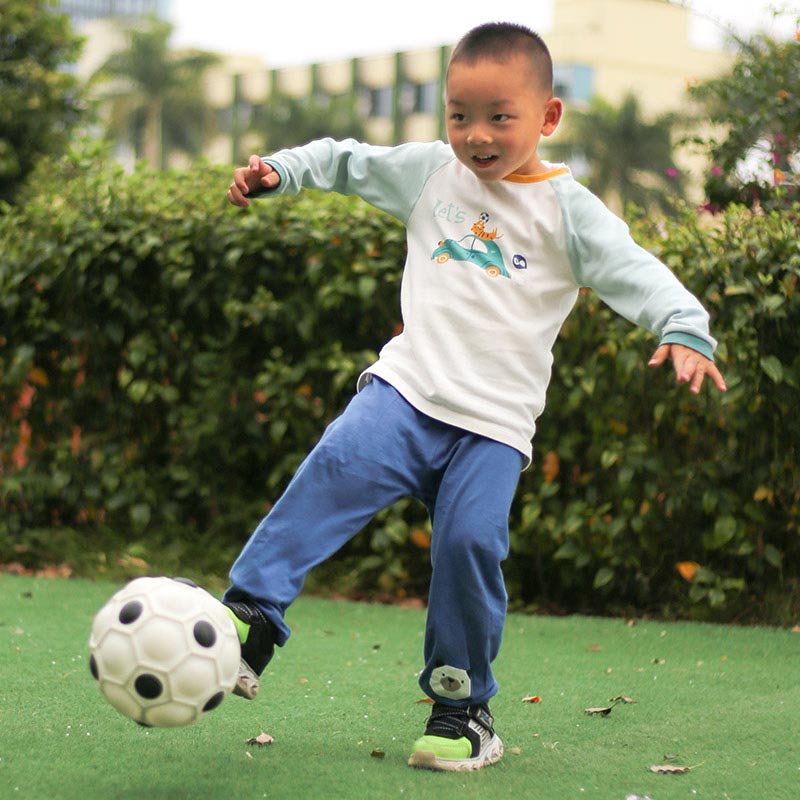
point(542, 176)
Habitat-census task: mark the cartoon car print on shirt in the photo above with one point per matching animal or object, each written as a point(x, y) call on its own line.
point(483, 252)
point(482, 249)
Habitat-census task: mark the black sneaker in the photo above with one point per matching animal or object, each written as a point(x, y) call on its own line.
point(457, 739)
point(257, 637)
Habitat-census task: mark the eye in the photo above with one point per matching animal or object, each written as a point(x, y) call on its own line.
point(457, 116)
point(500, 117)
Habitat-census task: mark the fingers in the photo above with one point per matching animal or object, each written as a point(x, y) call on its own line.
point(693, 368)
point(660, 356)
point(690, 367)
point(715, 375)
point(239, 188)
point(255, 175)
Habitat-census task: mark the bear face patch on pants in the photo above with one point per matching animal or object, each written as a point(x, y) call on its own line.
point(451, 683)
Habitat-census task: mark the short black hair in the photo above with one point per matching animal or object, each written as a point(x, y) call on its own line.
point(499, 41)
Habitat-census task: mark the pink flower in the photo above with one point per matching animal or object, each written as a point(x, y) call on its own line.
point(671, 172)
point(716, 171)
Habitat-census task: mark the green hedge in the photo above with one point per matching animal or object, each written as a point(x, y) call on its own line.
point(166, 361)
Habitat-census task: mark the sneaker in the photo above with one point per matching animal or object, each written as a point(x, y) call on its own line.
point(457, 739)
point(257, 638)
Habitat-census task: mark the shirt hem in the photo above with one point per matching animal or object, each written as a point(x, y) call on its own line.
point(446, 415)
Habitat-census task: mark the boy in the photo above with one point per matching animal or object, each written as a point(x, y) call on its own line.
point(499, 243)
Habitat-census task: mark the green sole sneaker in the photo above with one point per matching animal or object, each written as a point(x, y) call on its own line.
point(257, 640)
point(436, 755)
point(457, 740)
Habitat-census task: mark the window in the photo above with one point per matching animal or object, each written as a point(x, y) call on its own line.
point(574, 82)
point(377, 102)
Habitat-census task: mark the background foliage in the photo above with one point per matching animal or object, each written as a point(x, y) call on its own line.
point(166, 361)
point(40, 101)
point(755, 111)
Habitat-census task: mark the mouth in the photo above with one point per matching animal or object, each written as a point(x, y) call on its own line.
point(484, 161)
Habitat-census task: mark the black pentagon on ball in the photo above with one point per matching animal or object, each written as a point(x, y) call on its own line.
point(186, 582)
point(214, 701)
point(130, 612)
point(93, 668)
point(148, 686)
point(204, 633)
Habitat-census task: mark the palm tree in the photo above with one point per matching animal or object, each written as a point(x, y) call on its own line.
point(289, 121)
point(629, 160)
point(155, 96)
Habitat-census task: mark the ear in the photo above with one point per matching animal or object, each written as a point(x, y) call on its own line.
point(553, 111)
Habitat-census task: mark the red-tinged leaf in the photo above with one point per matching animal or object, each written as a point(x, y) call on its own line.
point(532, 699)
point(687, 570)
point(262, 740)
point(668, 769)
point(425, 700)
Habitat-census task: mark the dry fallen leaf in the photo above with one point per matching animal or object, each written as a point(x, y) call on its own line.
point(621, 699)
point(534, 698)
point(425, 700)
point(668, 769)
point(515, 751)
point(378, 753)
point(262, 739)
point(599, 710)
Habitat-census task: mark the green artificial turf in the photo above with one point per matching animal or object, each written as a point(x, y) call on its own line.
point(341, 702)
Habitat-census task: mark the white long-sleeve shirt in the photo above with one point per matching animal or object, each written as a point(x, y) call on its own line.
point(493, 269)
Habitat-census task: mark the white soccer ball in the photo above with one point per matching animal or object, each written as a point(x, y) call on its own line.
point(164, 652)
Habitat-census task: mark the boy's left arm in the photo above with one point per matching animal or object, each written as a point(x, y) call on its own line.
point(639, 287)
point(690, 366)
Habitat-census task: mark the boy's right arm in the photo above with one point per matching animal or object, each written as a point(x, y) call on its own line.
point(255, 176)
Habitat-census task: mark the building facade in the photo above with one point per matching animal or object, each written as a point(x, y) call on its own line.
point(82, 11)
point(601, 48)
point(605, 48)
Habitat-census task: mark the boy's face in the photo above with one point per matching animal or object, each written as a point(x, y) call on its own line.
point(496, 114)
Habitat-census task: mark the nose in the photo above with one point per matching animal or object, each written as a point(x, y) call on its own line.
point(478, 134)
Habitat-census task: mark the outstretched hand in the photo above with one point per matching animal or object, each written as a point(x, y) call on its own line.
point(256, 175)
point(690, 366)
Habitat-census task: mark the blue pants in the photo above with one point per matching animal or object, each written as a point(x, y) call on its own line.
point(380, 450)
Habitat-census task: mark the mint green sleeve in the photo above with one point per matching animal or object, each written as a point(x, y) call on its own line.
point(390, 178)
point(632, 281)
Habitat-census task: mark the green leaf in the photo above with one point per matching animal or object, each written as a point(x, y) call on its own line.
point(568, 551)
point(608, 458)
point(773, 556)
point(773, 368)
point(140, 516)
point(603, 577)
